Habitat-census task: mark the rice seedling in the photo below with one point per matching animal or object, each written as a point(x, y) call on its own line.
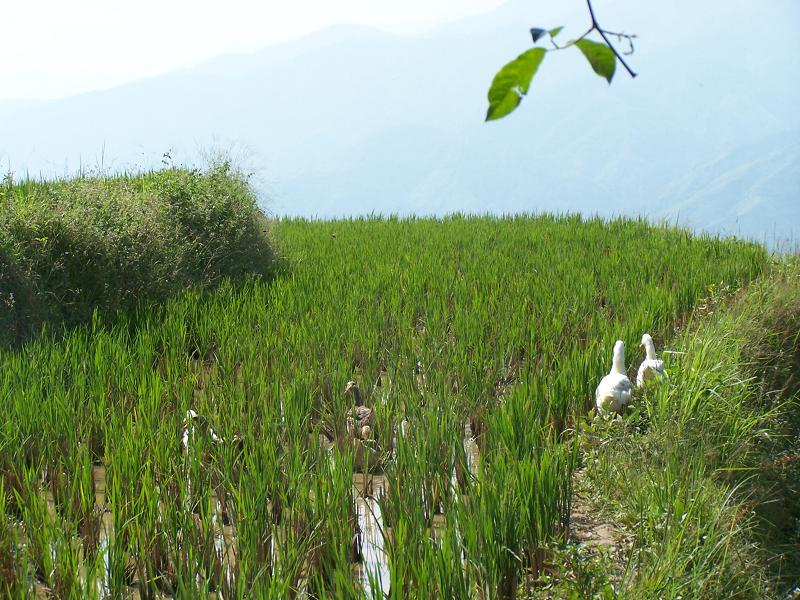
point(500, 325)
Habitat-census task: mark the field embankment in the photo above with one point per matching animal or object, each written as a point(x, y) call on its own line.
point(703, 479)
point(70, 247)
point(475, 342)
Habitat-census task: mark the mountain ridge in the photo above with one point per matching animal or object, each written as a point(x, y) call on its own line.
point(354, 120)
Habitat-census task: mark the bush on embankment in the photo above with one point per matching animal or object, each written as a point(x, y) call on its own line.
point(73, 246)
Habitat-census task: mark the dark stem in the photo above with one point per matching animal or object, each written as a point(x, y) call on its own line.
point(571, 43)
point(600, 30)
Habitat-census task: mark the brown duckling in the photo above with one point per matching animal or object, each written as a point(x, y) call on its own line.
point(360, 418)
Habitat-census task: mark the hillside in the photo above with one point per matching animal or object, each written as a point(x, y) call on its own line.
point(355, 121)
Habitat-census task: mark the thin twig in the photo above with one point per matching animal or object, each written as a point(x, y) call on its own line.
point(571, 42)
point(620, 36)
point(596, 25)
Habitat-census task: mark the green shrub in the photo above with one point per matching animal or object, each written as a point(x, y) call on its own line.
point(70, 247)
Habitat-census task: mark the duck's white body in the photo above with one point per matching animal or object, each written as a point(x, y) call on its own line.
point(189, 426)
point(652, 367)
point(614, 391)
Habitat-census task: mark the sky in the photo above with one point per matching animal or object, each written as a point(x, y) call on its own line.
point(709, 127)
point(54, 48)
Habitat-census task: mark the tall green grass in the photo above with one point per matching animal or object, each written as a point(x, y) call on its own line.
point(506, 324)
point(705, 477)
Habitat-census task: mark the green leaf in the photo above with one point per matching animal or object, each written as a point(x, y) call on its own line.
point(600, 57)
point(512, 82)
point(554, 32)
point(537, 33)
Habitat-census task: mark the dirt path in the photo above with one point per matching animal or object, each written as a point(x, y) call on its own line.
point(590, 528)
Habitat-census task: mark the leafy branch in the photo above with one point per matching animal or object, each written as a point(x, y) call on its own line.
point(512, 82)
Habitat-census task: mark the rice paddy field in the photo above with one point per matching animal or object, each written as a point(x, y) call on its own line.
point(476, 342)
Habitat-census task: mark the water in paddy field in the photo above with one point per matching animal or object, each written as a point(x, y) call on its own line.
point(372, 572)
point(367, 489)
point(107, 525)
point(375, 568)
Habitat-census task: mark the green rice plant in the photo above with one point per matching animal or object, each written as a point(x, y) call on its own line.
point(13, 566)
point(406, 537)
point(335, 531)
point(488, 521)
point(256, 513)
point(544, 503)
point(450, 578)
point(419, 497)
point(505, 324)
point(40, 531)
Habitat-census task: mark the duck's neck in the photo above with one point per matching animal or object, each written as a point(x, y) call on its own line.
point(618, 365)
point(650, 349)
point(357, 396)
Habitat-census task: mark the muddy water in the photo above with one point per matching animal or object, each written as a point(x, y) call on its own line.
point(471, 449)
point(106, 527)
point(375, 568)
point(367, 489)
point(372, 573)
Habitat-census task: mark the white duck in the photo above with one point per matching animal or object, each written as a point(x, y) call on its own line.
point(614, 391)
point(651, 367)
point(193, 419)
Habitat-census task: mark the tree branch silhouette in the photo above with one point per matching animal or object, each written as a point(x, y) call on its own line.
point(603, 32)
point(511, 83)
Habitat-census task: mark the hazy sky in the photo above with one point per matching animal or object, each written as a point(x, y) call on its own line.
point(55, 48)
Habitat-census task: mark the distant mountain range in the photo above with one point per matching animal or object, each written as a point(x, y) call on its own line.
point(352, 120)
